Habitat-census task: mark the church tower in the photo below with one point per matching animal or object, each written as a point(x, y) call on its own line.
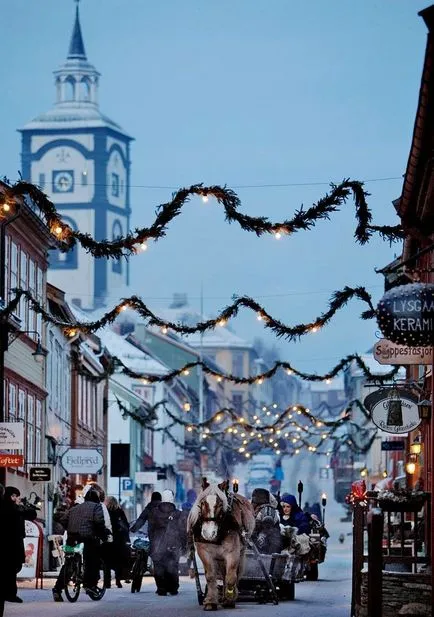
point(81, 160)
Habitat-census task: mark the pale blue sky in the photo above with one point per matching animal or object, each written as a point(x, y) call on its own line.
point(241, 92)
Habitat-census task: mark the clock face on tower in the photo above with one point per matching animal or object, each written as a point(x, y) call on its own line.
point(63, 181)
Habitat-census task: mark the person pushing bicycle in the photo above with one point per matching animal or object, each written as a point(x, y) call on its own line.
point(85, 524)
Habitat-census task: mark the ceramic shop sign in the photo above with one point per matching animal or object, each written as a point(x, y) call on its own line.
point(405, 315)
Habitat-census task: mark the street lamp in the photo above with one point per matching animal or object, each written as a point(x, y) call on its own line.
point(323, 503)
point(300, 492)
point(424, 408)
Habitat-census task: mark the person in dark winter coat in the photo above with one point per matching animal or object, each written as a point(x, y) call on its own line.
point(13, 515)
point(292, 515)
point(85, 524)
point(144, 517)
point(168, 539)
point(266, 534)
point(117, 556)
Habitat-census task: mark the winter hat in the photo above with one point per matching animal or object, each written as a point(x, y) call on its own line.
point(167, 496)
point(260, 496)
point(191, 495)
point(289, 499)
point(156, 496)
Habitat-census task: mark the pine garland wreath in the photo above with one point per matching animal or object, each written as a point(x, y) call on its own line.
point(338, 300)
point(165, 213)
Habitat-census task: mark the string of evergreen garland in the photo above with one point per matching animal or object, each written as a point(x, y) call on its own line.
point(241, 425)
point(148, 419)
point(302, 219)
point(254, 379)
point(338, 300)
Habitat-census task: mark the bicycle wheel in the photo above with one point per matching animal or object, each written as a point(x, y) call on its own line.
point(72, 577)
point(137, 574)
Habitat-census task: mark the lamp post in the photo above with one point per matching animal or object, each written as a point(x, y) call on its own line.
point(300, 492)
point(323, 503)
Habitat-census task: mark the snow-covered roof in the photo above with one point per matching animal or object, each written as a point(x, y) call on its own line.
point(374, 367)
point(337, 383)
point(221, 336)
point(74, 116)
point(131, 356)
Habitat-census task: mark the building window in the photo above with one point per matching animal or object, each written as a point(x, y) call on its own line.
point(117, 233)
point(115, 185)
point(237, 402)
point(42, 180)
point(39, 297)
point(38, 431)
point(30, 430)
point(12, 402)
point(14, 266)
point(85, 89)
point(69, 89)
point(69, 260)
point(24, 305)
point(238, 364)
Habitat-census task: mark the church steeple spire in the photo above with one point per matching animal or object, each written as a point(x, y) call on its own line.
point(76, 46)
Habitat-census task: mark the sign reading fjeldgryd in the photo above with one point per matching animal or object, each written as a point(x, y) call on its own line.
point(82, 460)
point(393, 410)
point(405, 314)
point(11, 435)
point(386, 352)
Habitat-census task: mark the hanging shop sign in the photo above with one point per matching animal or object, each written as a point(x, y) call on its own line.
point(40, 474)
point(386, 352)
point(11, 460)
point(392, 446)
point(393, 410)
point(82, 460)
point(11, 435)
point(405, 315)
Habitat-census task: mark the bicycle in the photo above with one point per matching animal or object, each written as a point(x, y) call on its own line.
point(140, 565)
point(74, 570)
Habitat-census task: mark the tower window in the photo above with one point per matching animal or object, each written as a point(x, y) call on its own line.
point(42, 180)
point(117, 233)
point(85, 89)
point(115, 185)
point(69, 260)
point(69, 89)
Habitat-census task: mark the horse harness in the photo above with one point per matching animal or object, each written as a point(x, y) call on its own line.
point(227, 523)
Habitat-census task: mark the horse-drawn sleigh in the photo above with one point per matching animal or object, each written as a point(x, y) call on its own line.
point(220, 526)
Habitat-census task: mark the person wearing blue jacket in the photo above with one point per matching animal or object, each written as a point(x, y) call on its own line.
point(291, 515)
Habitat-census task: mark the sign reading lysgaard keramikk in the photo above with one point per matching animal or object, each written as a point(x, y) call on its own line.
point(82, 460)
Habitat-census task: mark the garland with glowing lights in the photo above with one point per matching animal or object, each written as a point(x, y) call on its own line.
point(256, 436)
point(338, 300)
point(260, 377)
point(132, 242)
